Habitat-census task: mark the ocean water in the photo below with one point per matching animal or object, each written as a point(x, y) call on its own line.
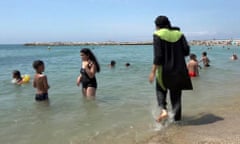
point(125, 105)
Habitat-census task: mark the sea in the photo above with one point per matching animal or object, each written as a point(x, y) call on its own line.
point(125, 107)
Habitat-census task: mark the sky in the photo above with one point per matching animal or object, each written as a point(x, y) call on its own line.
point(25, 21)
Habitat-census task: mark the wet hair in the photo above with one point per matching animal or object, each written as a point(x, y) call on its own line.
point(37, 63)
point(162, 22)
point(192, 56)
point(91, 56)
point(112, 63)
point(17, 74)
point(204, 53)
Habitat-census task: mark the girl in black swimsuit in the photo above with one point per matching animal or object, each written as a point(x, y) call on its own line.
point(90, 67)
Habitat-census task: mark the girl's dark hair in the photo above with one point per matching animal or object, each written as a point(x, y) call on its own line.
point(91, 56)
point(162, 22)
point(17, 73)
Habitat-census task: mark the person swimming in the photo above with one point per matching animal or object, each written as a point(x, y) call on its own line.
point(234, 57)
point(205, 60)
point(17, 79)
point(127, 64)
point(112, 64)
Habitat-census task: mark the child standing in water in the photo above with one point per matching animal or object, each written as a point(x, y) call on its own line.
point(89, 68)
point(205, 59)
point(193, 66)
point(40, 81)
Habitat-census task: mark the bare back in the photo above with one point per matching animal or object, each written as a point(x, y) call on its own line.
point(193, 66)
point(40, 83)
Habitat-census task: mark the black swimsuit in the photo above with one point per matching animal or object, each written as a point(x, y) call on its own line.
point(86, 80)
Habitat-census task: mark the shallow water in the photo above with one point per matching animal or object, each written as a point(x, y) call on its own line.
point(125, 102)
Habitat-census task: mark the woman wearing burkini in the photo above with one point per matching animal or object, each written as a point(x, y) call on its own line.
point(169, 67)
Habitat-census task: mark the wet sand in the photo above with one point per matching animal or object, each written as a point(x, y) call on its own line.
point(220, 126)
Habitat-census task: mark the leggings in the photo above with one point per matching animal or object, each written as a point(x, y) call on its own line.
point(175, 98)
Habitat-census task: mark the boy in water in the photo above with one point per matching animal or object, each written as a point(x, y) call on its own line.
point(193, 66)
point(40, 81)
point(205, 59)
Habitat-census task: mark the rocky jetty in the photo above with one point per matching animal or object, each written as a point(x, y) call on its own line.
point(215, 42)
point(193, 42)
point(85, 43)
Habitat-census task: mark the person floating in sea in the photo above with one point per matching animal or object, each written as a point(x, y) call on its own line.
point(193, 66)
point(205, 59)
point(127, 64)
point(19, 79)
point(40, 81)
point(169, 67)
point(112, 64)
point(234, 57)
point(87, 78)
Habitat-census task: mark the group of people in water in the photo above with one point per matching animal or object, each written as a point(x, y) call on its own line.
point(39, 81)
point(169, 69)
point(113, 64)
point(193, 64)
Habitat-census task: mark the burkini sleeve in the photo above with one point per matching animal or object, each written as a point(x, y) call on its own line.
point(186, 48)
point(157, 51)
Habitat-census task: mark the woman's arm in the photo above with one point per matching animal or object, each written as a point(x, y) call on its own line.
point(91, 70)
point(153, 73)
point(79, 78)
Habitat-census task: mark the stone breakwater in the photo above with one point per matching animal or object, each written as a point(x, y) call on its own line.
point(192, 42)
point(215, 42)
point(84, 43)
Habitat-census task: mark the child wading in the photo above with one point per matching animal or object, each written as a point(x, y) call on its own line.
point(40, 81)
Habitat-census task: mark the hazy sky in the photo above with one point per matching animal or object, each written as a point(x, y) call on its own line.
point(117, 20)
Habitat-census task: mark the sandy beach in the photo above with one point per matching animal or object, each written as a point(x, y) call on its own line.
point(210, 127)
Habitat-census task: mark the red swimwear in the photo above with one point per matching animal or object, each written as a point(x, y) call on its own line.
point(192, 74)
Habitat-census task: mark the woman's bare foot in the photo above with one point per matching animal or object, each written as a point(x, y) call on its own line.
point(162, 116)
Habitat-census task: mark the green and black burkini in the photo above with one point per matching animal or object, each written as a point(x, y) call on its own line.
point(170, 49)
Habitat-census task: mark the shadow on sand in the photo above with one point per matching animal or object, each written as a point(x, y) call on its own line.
point(202, 119)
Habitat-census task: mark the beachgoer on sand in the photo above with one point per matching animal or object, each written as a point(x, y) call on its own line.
point(169, 67)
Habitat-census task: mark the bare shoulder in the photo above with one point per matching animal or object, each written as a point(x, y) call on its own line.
point(40, 76)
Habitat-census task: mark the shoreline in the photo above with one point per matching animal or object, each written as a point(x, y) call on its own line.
point(209, 127)
point(192, 43)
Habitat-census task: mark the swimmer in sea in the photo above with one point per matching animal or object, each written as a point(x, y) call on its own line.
point(40, 81)
point(112, 64)
point(234, 57)
point(17, 79)
point(205, 60)
point(193, 66)
point(127, 64)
